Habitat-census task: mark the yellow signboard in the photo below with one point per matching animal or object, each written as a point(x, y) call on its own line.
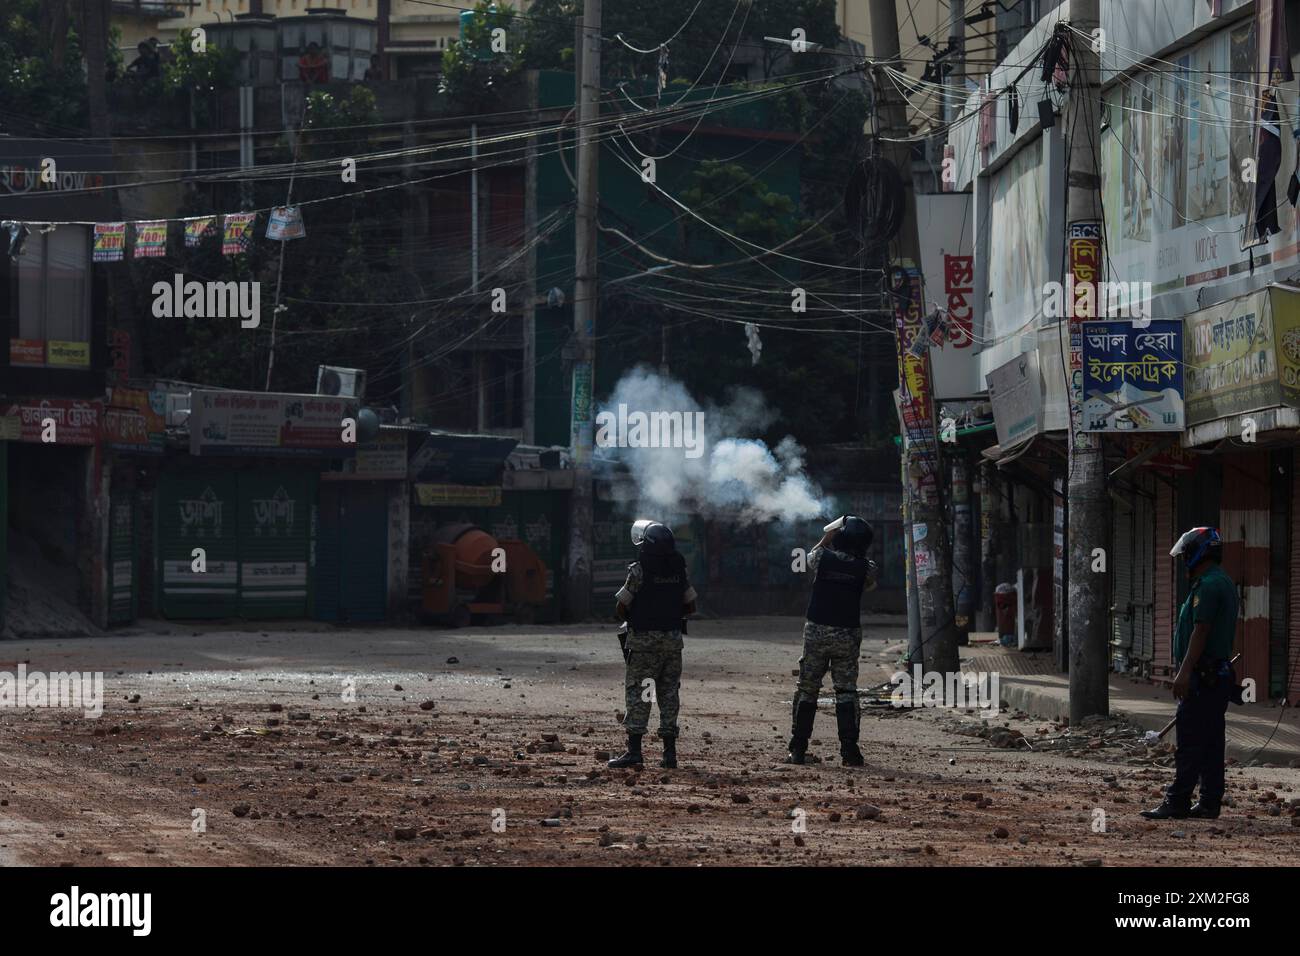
point(68, 354)
point(1243, 354)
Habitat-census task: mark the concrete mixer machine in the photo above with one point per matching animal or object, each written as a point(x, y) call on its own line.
point(469, 576)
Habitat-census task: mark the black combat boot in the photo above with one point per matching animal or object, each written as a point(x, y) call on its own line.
point(1168, 810)
point(846, 717)
point(1204, 810)
point(632, 756)
point(669, 761)
point(804, 713)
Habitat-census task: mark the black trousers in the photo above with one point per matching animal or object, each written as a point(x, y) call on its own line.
point(1200, 725)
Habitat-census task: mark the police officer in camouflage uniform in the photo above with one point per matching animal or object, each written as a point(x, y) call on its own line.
point(832, 635)
point(654, 601)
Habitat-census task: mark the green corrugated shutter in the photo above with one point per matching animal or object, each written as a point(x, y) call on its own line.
point(353, 522)
point(122, 597)
point(328, 562)
point(274, 542)
point(198, 510)
point(4, 528)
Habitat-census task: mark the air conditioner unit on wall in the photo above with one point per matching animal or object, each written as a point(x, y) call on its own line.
point(178, 409)
point(348, 382)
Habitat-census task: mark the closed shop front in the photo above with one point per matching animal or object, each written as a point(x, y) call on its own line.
point(1163, 590)
point(123, 598)
point(1144, 560)
point(254, 529)
point(275, 510)
point(198, 511)
point(1121, 582)
point(1244, 523)
point(1279, 573)
point(4, 528)
point(351, 570)
point(1293, 591)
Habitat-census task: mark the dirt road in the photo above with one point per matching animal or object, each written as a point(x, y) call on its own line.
point(313, 747)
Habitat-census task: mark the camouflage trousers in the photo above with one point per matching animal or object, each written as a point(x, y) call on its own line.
point(834, 649)
point(654, 675)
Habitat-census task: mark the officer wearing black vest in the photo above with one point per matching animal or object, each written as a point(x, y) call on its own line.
point(654, 601)
point(832, 634)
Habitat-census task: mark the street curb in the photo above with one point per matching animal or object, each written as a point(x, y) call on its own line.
point(1044, 705)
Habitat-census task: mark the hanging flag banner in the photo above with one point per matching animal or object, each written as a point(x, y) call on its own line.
point(1273, 67)
point(110, 241)
point(197, 229)
point(150, 239)
point(239, 232)
point(286, 223)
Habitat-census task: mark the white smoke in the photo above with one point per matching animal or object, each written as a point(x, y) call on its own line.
point(737, 476)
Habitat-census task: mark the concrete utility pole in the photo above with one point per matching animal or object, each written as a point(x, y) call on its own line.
point(584, 317)
point(929, 551)
point(956, 59)
point(1089, 506)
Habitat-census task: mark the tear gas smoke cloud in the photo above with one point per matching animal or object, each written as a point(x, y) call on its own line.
point(737, 475)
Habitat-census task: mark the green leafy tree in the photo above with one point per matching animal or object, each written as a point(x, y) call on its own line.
point(700, 51)
point(42, 87)
point(187, 69)
point(821, 381)
point(480, 68)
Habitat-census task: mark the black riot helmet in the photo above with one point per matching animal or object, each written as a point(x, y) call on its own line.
point(653, 537)
point(854, 536)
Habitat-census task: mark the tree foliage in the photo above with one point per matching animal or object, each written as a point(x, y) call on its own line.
point(700, 51)
point(481, 68)
point(42, 87)
point(820, 381)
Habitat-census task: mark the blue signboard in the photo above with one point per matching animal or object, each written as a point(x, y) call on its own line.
point(1133, 376)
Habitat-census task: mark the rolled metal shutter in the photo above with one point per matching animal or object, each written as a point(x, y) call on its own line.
point(198, 510)
point(1163, 610)
point(1293, 644)
point(274, 542)
point(1121, 576)
point(1144, 572)
point(1244, 525)
point(122, 566)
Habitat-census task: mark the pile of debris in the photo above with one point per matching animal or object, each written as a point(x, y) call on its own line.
point(1095, 737)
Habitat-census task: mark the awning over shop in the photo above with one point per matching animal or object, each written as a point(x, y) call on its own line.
point(451, 459)
point(1266, 426)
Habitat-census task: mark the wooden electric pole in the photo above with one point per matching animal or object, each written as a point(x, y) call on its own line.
point(584, 317)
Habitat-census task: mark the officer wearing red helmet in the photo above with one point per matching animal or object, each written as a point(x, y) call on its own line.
point(1205, 681)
